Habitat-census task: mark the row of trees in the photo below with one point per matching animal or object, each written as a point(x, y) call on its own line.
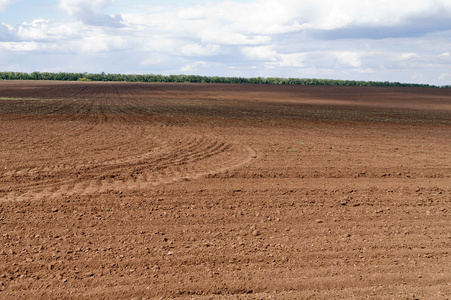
point(195, 78)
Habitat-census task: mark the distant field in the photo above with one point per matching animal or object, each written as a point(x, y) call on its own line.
point(211, 191)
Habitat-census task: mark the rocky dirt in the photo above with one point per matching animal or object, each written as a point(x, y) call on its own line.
point(210, 191)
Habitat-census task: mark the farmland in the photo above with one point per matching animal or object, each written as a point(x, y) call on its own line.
point(211, 191)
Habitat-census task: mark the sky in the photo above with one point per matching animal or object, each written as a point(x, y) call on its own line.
point(407, 41)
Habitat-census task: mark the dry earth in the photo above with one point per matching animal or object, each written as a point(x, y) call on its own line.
point(143, 191)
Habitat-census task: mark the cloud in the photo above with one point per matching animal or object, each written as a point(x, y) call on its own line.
point(194, 49)
point(5, 3)
point(193, 67)
point(380, 19)
point(349, 58)
point(411, 28)
point(262, 22)
point(103, 43)
point(296, 60)
point(444, 59)
point(445, 76)
point(6, 33)
point(372, 40)
point(224, 36)
point(20, 46)
point(263, 53)
point(318, 59)
point(191, 13)
point(47, 30)
point(90, 12)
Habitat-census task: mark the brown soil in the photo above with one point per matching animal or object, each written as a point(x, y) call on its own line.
point(143, 191)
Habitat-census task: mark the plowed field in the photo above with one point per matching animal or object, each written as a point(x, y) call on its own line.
point(209, 191)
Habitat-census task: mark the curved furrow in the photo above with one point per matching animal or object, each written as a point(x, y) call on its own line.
point(46, 174)
point(177, 154)
point(99, 140)
point(48, 166)
point(157, 157)
point(199, 154)
point(188, 160)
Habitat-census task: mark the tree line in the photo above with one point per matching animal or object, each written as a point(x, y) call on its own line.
point(64, 76)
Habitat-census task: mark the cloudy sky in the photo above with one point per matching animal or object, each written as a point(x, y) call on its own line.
point(394, 40)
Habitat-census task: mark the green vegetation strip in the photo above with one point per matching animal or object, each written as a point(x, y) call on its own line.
point(63, 76)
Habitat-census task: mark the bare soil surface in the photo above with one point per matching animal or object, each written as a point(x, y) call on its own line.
point(210, 191)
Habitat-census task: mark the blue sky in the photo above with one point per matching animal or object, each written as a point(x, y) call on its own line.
point(402, 40)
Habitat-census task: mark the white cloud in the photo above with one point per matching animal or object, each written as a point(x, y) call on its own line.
point(194, 49)
point(349, 58)
point(331, 14)
point(42, 30)
point(102, 43)
point(226, 37)
point(6, 32)
point(373, 40)
point(444, 59)
point(5, 3)
point(366, 71)
point(91, 12)
point(191, 13)
point(445, 76)
point(296, 60)
point(153, 60)
point(319, 59)
point(193, 67)
point(20, 46)
point(159, 44)
point(407, 56)
point(265, 53)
